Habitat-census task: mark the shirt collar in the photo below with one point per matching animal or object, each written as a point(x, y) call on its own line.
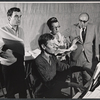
point(12, 27)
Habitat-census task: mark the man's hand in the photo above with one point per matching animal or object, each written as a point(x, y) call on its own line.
point(79, 87)
point(7, 57)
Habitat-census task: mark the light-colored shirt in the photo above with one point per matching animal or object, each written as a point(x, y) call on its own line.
point(7, 58)
point(19, 32)
point(59, 39)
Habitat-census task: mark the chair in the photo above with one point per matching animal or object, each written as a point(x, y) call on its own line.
point(29, 80)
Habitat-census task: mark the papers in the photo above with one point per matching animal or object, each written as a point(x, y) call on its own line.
point(87, 94)
point(94, 88)
point(28, 56)
point(77, 95)
point(95, 94)
point(12, 42)
point(35, 52)
point(7, 35)
point(14, 45)
point(97, 70)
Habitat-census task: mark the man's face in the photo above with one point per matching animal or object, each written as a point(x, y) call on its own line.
point(83, 20)
point(55, 27)
point(50, 47)
point(15, 19)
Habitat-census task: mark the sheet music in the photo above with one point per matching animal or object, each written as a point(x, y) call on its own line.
point(29, 55)
point(12, 42)
point(14, 45)
point(94, 94)
point(97, 70)
point(7, 35)
point(35, 52)
point(87, 94)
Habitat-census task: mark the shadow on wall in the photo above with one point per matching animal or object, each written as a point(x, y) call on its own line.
point(43, 29)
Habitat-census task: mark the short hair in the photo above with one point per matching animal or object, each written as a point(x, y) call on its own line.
point(44, 38)
point(50, 21)
point(86, 14)
point(11, 10)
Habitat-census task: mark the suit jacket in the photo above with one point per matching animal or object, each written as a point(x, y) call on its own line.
point(91, 40)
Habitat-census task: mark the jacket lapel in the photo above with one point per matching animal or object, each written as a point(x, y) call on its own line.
point(78, 35)
point(87, 33)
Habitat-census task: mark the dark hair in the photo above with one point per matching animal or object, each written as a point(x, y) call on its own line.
point(50, 21)
point(44, 38)
point(11, 10)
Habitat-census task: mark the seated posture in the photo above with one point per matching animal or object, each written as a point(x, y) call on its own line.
point(48, 82)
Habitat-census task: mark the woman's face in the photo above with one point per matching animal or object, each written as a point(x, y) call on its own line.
point(55, 28)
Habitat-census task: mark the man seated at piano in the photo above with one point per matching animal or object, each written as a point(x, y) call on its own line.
point(48, 82)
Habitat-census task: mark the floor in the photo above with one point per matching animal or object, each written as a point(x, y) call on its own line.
point(16, 95)
point(66, 92)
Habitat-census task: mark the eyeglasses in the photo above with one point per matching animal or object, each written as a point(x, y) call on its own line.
point(84, 21)
point(55, 27)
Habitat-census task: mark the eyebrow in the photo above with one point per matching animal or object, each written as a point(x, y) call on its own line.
point(83, 20)
point(18, 15)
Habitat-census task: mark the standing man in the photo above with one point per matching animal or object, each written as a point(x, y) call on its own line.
point(87, 46)
point(13, 72)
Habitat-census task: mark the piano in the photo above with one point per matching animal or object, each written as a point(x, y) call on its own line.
point(93, 86)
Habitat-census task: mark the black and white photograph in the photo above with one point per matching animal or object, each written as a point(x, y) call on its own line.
point(50, 50)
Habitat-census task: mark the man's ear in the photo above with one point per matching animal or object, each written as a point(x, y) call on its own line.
point(43, 46)
point(9, 18)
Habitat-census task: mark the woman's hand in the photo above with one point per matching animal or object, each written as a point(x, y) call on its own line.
point(75, 41)
point(73, 47)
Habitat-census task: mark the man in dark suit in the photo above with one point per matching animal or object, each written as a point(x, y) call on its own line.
point(87, 45)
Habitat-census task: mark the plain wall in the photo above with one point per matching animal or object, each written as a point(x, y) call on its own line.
point(35, 15)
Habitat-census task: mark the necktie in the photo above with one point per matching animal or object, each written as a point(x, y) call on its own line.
point(83, 34)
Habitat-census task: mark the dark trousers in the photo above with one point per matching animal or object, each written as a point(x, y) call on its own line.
point(83, 62)
point(59, 82)
point(14, 78)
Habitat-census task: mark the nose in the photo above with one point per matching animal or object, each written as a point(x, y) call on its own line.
point(19, 18)
point(57, 29)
